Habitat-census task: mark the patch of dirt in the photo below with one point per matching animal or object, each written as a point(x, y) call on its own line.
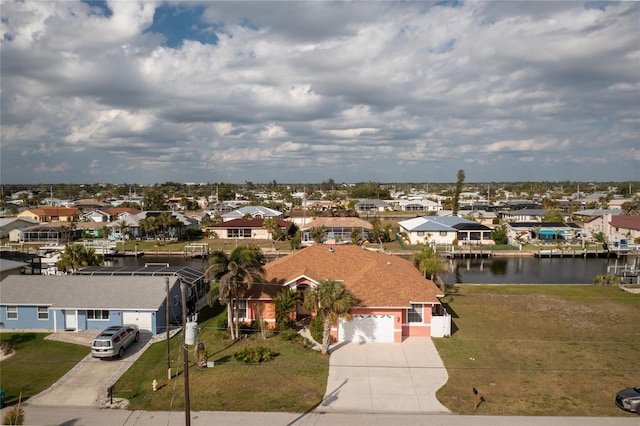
point(9, 354)
point(118, 404)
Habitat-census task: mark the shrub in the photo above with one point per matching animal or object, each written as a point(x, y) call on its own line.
point(288, 334)
point(316, 328)
point(254, 355)
point(5, 348)
point(222, 324)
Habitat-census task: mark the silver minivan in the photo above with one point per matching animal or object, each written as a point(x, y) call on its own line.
point(114, 340)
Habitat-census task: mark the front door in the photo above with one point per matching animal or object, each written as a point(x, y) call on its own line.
point(70, 319)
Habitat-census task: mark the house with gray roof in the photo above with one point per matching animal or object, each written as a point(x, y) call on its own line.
point(444, 230)
point(75, 302)
point(256, 212)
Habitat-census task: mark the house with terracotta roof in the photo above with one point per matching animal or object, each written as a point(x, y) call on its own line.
point(51, 214)
point(337, 229)
point(394, 300)
point(246, 228)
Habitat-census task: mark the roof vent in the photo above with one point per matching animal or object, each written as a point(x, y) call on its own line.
point(331, 249)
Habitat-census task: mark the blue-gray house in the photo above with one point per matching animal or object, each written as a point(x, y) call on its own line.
point(77, 302)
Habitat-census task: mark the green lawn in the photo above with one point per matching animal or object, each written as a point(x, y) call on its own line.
point(36, 365)
point(294, 381)
point(540, 350)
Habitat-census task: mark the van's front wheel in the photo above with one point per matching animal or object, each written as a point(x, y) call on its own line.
point(137, 336)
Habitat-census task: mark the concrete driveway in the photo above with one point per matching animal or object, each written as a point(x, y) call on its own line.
point(85, 385)
point(385, 378)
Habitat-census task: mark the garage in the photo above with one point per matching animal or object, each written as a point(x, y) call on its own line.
point(144, 320)
point(367, 328)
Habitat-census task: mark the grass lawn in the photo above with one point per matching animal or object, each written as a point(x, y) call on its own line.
point(36, 364)
point(294, 381)
point(540, 350)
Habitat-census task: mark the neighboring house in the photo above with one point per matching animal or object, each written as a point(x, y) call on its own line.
point(8, 224)
point(50, 214)
point(425, 230)
point(338, 229)
point(246, 228)
point(394, 300)
point(545, 232)
point(615, 229)
point(90, 204)
point(256, 212)
point(71, 302)
point(419, 206)
point(44, 233)
point(484, 217)
point(524, 215)
point(136, 232)
point(96, 216)
point(371, 206)
point(115, 212)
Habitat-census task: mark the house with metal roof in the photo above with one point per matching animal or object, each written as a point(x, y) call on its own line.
point(337, 229)
point(80, 302)
point(256, 212)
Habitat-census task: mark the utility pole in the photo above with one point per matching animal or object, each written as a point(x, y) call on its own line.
point(187, 404)
point(168, 304)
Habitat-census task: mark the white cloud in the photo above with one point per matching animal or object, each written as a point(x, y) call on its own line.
point(293, 91)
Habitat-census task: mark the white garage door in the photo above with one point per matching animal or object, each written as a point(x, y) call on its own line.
point(142, 319)
point(366, 328)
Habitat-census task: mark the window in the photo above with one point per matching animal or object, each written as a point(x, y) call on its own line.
point(43, 313)
point(98, 314)
point(415, 313)
point(443, 233)
point(12, 312)
point(243, 308)
point(239, 233)
point(420, 233)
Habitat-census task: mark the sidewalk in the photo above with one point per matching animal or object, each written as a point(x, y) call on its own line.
point(43, 416)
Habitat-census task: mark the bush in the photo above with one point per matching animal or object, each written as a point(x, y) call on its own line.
point(288, 334)
point(254, 355)
point(316, 328)
point(222, 324)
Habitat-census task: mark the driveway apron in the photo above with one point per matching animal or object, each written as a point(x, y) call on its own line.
point(85, 385)
point(385, 378)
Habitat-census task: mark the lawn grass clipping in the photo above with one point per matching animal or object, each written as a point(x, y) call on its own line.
point(294, 381)
point(36, 365)
point(540, 350)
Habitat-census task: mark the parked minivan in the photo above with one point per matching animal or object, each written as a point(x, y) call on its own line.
point(114, 340)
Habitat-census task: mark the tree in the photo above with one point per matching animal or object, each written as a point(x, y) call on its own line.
point(499, 234)
point(456, 195)
point(429, 264)
point(330, 299)
point(552, 216)
point(76, 256)
point(631, 208)
point(166, 221)
point(235, 273)
point(149, 225)
point(317, 233)
point(286, 303)
point(271, 226)
point(153, 200)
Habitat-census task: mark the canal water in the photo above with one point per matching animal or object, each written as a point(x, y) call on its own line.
point(495, 270)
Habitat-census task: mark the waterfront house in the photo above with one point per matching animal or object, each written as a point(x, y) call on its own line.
point(337, 229)
point(394, 300)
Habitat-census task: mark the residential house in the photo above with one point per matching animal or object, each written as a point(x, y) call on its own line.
point(419, 206)
point(51, 214)
point(371, 206)
point(443, 230)
point(544, 232)
point(617, 229)
point(394, 301)
point(73, 302)
point(256, 212)
point(524, 215)
point(90, 204)
point(8, 224)
point(337, 229)
point(246, 228)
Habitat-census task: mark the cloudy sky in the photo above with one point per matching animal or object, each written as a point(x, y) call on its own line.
point(126, 91)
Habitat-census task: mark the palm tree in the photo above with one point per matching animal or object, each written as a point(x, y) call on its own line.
point(631, 208)
point(149, 225)
point(77, 256)
point(234, 273)
point(429, 264)
point(166, 221)
point(330, 299)
point(286, 303)
point(317, 233)
point(271, 226)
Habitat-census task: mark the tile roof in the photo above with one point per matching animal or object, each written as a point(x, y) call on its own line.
point(376, 279)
